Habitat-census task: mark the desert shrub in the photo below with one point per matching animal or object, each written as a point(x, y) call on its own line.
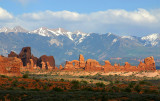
point(137, 88)
point(62, 80)
point(144, 83)
point(57, 89)
point(25, 75)
point(100, 84)
point(4, 76)
point(22, 88)
point(149, 91)
point(87, 89)
point(114, 89)
point(9, 79)
point(27, 72)
point(81, 77)
point(75, 84)
point(111, 83)
point(127, 89)
point(131, 84)
point(36, 89)
point(84, 82)
point(117, 82)
point(14, 83)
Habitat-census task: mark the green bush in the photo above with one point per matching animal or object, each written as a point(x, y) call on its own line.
point(25, 75)
point(84, 82)
point(117, 82)
point(131, 84)
point(115, 89)
point(111, 83)
point(81, 77)
point(100, 84)
point(57, 89)
point(76, 84)
point(87, 89)
point(4, 76)
point(62, 80)
point(145, 83)
point(137, 88)
point(127, 89)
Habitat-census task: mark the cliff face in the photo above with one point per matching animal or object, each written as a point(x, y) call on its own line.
point(93, 65)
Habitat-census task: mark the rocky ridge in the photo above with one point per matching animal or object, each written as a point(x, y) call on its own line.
point(93, 65)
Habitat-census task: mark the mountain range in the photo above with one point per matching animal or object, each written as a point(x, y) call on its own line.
point(66, 45)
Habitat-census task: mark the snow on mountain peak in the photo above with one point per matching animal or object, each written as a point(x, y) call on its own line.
point(19, 29)
point(109, 33)
point(15, 29)
point(5, 29)
point(153, 39)
point(128, 37)
point(60, 31)
point(41, 31)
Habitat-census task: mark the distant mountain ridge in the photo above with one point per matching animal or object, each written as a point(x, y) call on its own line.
point(66, 45)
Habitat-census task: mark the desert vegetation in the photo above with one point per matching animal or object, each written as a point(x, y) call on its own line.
point(68, 87)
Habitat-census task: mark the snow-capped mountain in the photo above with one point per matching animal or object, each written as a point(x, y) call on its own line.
point(152, 39)
point(16, 29)
point(76, 36)
point(5, 30)
point(19, 29)
point(67, 45)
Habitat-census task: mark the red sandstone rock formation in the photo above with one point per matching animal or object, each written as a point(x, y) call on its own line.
point(93, 65)
point(30, 61)
point(76, 64)
point(45, 59)
point(43, 65)
point(69, 66)
point(81, 61)
point(10, 66)
point(48, 66)
point(127, 65)
point(148, 65)
point(108, 67)
point(25, 55)
point(60, 67)
point(13, 54)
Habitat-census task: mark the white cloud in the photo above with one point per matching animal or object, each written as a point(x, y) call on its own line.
point(118, 21)
point(4, 15)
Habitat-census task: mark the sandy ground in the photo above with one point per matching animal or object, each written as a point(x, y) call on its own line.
point(83, 73)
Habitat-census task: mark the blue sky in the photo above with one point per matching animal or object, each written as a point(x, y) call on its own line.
point(123, 17)
point(80, 6)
